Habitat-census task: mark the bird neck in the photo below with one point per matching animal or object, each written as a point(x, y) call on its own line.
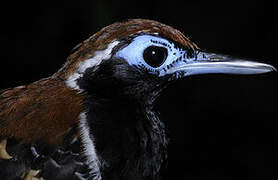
point(129, 138)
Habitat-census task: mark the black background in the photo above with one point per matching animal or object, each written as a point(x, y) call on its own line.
point(221, 126)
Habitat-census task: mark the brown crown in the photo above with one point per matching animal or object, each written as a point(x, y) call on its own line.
point(119, 30)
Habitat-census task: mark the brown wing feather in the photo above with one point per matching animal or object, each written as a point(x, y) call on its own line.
point(44, 110)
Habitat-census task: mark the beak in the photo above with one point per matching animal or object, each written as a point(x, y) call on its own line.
point(207, 63)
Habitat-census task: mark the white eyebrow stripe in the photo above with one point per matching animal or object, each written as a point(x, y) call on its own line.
point(98, 57)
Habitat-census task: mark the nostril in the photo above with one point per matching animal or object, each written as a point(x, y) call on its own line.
point(215, 58)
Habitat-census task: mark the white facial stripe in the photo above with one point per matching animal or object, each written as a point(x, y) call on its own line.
point(89, 147)
point(98, 57)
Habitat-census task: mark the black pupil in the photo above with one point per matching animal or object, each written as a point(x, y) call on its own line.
point(155, 55)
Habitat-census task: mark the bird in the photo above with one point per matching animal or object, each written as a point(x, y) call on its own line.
point(93, 119)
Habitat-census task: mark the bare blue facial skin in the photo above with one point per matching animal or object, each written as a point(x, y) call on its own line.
point(178, 61)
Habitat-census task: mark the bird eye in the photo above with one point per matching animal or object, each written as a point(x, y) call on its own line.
point(155, 55)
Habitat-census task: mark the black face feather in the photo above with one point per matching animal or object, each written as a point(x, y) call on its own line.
point(129, 139)
point(116, 79)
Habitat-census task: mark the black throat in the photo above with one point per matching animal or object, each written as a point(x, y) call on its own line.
point(130, 140)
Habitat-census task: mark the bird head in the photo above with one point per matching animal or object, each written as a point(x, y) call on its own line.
point(138, 58)
point(123, 68)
